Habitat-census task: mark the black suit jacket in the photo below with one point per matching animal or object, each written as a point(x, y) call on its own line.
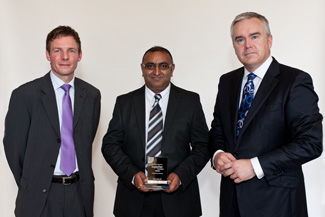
point(32, 141)
point(283, 128)
point(185, 143)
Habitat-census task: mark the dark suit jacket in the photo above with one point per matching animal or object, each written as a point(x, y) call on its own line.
point(32, 141)
point(283, 128)
point(185, 143)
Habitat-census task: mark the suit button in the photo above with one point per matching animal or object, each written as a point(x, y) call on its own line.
point(44, 190)
point(52, 165)
point(236, 153)
point(59, 140)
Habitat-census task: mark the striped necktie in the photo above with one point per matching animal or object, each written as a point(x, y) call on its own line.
point(155, 130)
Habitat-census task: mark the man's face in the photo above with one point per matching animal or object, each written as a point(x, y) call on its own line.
point(251, 44)
point(157, 79)
point(64, 57)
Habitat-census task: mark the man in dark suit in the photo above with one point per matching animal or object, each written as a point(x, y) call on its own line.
point(184, 142)
point(47, 125)
point(266, 126)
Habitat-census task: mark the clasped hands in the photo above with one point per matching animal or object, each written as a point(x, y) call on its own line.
point(140, 179)
point(238, 170)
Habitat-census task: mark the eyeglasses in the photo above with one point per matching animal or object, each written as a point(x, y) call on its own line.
point(161, 66)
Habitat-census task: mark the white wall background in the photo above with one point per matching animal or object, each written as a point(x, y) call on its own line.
point(114, 36)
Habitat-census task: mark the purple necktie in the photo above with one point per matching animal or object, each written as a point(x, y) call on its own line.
point(68, 161)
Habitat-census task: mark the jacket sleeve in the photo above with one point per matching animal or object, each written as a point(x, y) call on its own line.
point(191, 166)
point(216, 133)
point(17, 124)
point(305, 128)
point(112, 148)
point(97, 113)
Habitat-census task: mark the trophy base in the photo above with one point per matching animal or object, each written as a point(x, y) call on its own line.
point(156, 187)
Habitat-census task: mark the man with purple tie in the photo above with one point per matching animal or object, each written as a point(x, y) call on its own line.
point(49, 130)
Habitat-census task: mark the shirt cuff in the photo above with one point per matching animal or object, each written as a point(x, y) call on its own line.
point(215, 153)
point(257, 168)
point(133, 180)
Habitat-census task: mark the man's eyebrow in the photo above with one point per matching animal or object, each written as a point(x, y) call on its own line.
point(238, 37)
point(255, 33)
point(252, 34)
point(62, 48)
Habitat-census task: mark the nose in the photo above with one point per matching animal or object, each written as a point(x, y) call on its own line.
point(65, 55)
point(157, 70)
point(248, 44)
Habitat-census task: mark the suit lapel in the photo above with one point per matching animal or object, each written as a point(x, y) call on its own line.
point(139, 107)
point(234, 95)
point(49, 102)
point(173, 103)
point(269, 82)
point(78, 101)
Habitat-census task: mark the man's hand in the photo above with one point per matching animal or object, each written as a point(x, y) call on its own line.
point(139, 180)
point(239, 170)
point(173, 181)
point(221, 159)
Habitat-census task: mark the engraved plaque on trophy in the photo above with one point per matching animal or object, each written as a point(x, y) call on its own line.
point(157, 174)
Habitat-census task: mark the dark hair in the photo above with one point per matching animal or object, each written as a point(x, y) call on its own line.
point(62, 31)
point(158, 49)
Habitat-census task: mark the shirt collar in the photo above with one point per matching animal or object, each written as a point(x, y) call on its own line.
point(151, 95)
point(260, 71)
point(57, 82)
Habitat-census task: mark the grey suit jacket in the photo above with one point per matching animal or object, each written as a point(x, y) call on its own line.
point(32, 141)
point(283, 128)
point(185, 143)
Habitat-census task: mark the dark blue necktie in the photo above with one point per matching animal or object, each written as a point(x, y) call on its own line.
point(246, 102)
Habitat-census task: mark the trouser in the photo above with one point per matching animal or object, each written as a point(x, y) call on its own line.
point(152, 205)
point(64, 201)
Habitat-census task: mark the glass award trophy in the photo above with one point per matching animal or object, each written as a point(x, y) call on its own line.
point(157, 174)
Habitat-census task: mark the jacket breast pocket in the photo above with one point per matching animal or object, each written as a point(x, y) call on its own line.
point(272, 108)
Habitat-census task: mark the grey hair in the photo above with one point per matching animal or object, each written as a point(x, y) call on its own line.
point(251, 15)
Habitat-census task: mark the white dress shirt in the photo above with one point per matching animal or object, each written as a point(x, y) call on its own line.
point(59, 93)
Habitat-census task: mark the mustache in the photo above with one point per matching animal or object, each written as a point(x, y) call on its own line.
point(157, 76)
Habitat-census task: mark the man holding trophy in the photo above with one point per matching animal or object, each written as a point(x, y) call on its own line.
point(157, 143)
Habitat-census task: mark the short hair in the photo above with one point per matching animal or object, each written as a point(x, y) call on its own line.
point(158, 49)
point(251, 15)
point(62, 31)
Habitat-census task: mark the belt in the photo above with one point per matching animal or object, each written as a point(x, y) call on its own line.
point(66, 180)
